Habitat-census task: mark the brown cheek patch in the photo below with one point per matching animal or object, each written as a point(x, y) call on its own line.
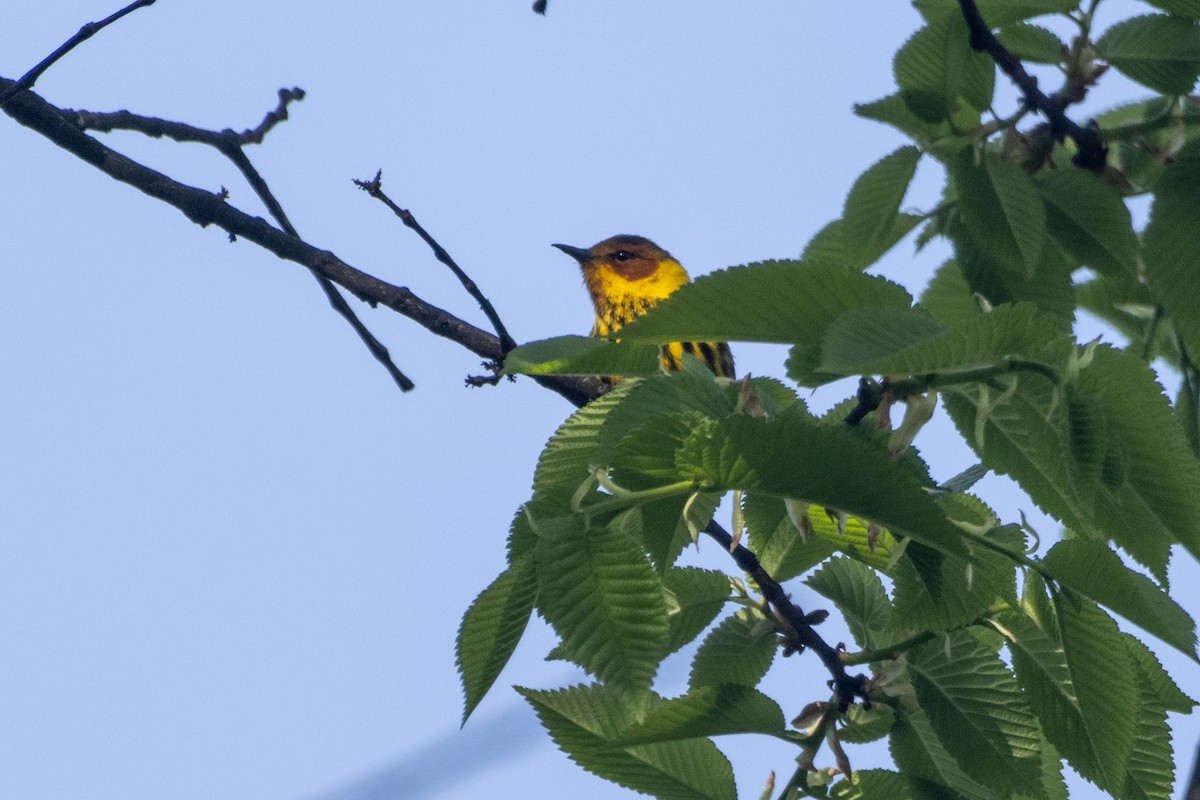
point(635, 269)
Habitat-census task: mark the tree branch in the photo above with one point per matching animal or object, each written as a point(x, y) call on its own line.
point(89, 30)
point(208, 208)
point(1091, 154)
point(374, 187)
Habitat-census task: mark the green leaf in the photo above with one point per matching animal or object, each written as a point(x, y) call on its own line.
point(665, 526)
point(1115, 300)
point(918, 752)
point(1089, 220)
point(1150, 772)
point(900, 343)
point(1031, 43)
point(693, 388)
point(871, 215)
point(566, 459)
point(892, 110)
point(1002, 208)
point(936, 70)
point(936, 591)
point(491, 629)
point(709, 711)
point(1102, 676)
point(1182, 8)
point(973, 703)
point(694, 598)
point(762, 303)
point(882, 784)
point(774, 539)
point(835, 469)
point(1172, 244)
point(1156, 50)
point(864, 725)
point(585, 720)
point(581, 355)
point(603, 598)
point(1092, 569)
point(948, 298)
point(1152, 676)
point(739, 650)
point(859, 594)
point(784, 554)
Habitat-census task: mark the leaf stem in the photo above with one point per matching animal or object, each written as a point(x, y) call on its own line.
point(635, 498)
point(884, 653)
point(919, 384)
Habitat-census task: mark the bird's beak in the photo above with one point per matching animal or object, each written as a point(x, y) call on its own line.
point(577, 253)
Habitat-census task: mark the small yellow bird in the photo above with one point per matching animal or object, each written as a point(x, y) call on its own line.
point(625, 276)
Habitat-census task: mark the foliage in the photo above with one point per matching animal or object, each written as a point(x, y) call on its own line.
point(991, 664)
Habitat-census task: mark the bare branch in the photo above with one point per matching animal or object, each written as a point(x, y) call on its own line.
point(1091, 153)
point(209, 208)
point(82, 35)
point(374, 187)
point(231, 144)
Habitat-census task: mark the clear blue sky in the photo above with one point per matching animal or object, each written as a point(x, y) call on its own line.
point(233, 557)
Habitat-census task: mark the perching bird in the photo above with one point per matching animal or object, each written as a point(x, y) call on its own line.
point(626, 275)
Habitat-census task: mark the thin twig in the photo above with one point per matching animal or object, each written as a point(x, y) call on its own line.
point(210, 208)
point(1091, 153)
point(230, 144)
point(374, 187)
point(181, 131)
point(89, 30)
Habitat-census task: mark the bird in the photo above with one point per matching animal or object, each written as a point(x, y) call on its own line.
point(627, 275)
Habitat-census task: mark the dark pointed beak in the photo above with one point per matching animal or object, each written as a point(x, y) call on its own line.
point(577, 253)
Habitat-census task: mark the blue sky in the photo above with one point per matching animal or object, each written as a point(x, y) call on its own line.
point(234, 557)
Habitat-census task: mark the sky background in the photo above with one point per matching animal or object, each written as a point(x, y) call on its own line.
point(233, 557)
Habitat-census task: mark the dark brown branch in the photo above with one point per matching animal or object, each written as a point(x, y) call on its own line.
point(846, 687)
point(374, 187)
point(1091, 154)
point(181, 131)
point(89, 30)
point(208, 208)
point(231, 144)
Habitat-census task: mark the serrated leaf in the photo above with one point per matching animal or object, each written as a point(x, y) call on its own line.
point(709, 711)
point(565, 461)
point(882, 784)
point(1090, 221)
point(598, 590)
point(936, 69)
point(1172, 244)
point(1155, 678)
point(773, 301)
point(1102, 676)
point(940, 591)
point(1183, 8)
point(973, 703)
point(870, 217)
point(1113, 300)
point(1156, 50)
point(899, 343)
point(665, 526)
point(1002, 208)
point(1031, 43)
point(491, 628)
point(862, 725)
point(739, 650)
point(646, 456)
point(585, 720)
point(690, 389)
point(948, 298)
point(1092, 569)
point(892, 110)
point(859, 595)
point(1150, 773)
point(781, 550)
point(917, 751)
point(695, 597)
point(835, 469)
point(581, 355)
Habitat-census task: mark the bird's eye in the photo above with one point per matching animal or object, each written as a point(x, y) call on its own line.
point(622, 255)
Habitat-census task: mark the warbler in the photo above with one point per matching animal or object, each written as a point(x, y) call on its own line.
point(627, 275)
